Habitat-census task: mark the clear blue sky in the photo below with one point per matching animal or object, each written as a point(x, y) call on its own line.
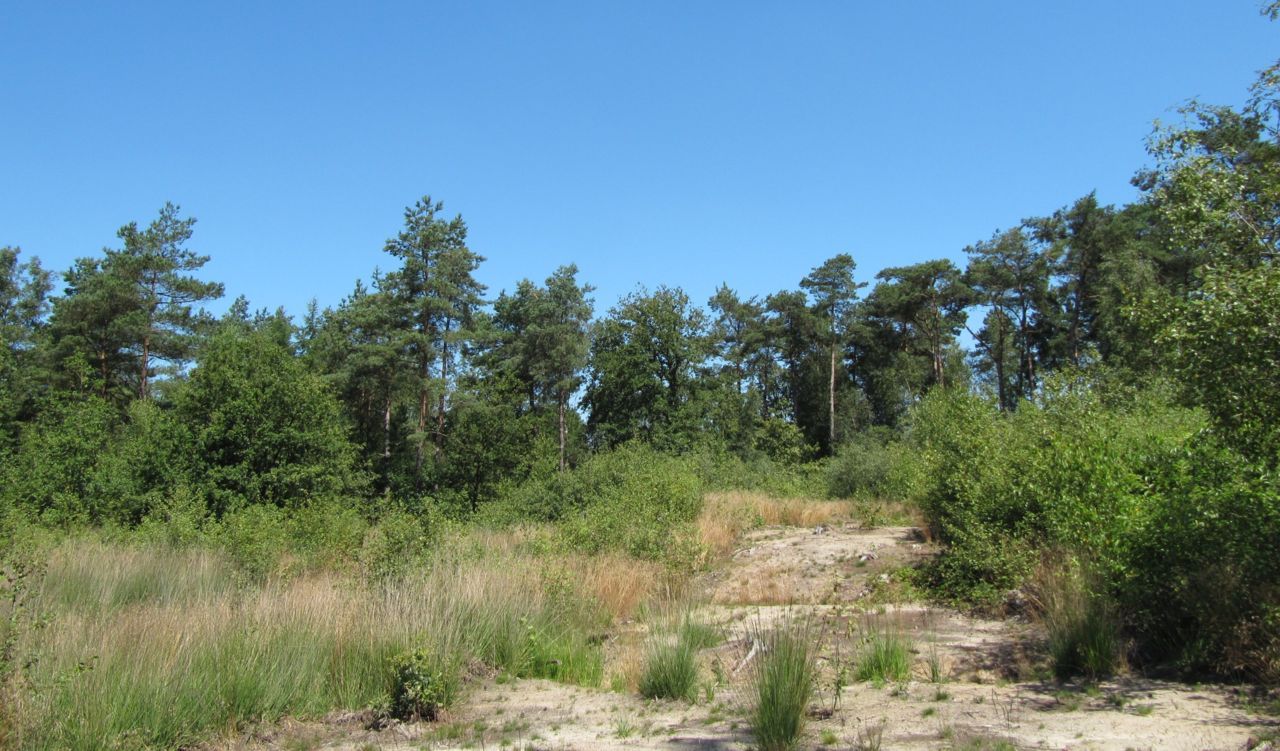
point(685, 143)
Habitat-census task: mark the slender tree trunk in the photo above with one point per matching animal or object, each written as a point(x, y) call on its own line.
point(386, 448)
point(444, 375)
point(146, 365)
point(1002, 389)
point(424, 401)
point(936, 340)
point(562, 429)
point(831, 403)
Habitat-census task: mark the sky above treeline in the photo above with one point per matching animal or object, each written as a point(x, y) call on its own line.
point(650, 143)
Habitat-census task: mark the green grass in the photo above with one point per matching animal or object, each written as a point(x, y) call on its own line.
point(1084, 637)
point(670, 670)
point(784, 684)
point(154, 648)
point(885, 656)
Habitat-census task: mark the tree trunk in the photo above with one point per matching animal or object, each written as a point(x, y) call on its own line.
point(831, 403)
point(386, 448)
point(146, 365)
point(424, 401)
point(562, 430)
point(444, 375)
point(1001, 388)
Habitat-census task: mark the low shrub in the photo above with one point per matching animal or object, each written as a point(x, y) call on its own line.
point(423, 685)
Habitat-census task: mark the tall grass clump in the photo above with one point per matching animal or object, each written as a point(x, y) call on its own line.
point(671, 661)
point(670, 670)
point(783, 675)
point(885, 655)
point(1084, 635)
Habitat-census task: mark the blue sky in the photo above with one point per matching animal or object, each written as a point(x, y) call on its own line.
point(679, 143)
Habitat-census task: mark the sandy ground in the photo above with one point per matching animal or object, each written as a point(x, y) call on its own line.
point(841, 582)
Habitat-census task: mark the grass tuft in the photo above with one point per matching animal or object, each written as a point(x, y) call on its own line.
point(1084, 637)
point(885, 655)
point(784, 684)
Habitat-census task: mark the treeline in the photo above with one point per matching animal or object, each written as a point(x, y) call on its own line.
point(415, 390)
point(1118, 410)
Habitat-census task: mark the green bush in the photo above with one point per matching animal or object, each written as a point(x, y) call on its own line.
point(631, 498)
point(1072, 470)
point(423, 685)
point(266, 430)
point(255, 538)
point(395, 544)
point(1201, 584)
point(862, 467)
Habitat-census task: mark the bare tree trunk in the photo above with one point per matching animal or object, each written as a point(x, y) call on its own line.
point(386, 448)
point(831, 402)
point(444, 387)
point(146, 365)
point(1001, 388)
point(562, 430)
point(424, 396)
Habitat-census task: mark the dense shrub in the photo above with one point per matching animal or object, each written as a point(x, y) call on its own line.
point(1179, 527)
point(865, 467)
point(423, 684)
point(1072, 470)
point(265, 429)
point(1203, 581)
point(631, 498)
point(52, 475)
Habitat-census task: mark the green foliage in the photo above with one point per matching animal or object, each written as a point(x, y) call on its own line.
point(51, 477)
point(255, 537)
point(783, 676)
point(398, 543)
point(423, 684)
point(1072, 470)
point(864, 467)
point(632, 498)
point(265, 430)
point(1201, 583)
point(643, 365)
point(1226, 345)
point(150, 459)
point(720, 470)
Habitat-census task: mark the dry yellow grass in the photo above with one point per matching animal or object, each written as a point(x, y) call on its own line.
point(726, 516)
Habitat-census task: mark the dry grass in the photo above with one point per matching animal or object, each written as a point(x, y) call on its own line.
point(726, 516)
point(160, 648)
point(770, 588)
point(618, 582)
